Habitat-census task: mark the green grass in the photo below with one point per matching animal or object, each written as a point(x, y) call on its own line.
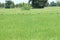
point(34, 24)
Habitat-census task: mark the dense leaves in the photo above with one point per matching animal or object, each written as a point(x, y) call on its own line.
point(58, 3)
point(9, 4)
point(52, 3)
point(38, 3)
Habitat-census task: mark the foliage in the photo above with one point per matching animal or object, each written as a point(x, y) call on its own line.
point(47, 4)
point(53, 3)
point(0, 4)
point(17, 5)
point(25, 6)
point(9, 4)
point(58, 3)
point(12, 5)
point(38, 3)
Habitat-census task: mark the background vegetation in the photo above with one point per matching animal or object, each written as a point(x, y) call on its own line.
point(20, 5)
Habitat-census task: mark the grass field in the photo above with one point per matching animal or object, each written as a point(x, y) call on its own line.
point(34, 24)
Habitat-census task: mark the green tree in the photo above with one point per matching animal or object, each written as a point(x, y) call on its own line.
point(58, 3)
point(47, 4)
point(52, 3)
point(21, 4)
point(0, 5)
point(17, 5)
point(38, 3)
point(12, 5)
point(9, 4)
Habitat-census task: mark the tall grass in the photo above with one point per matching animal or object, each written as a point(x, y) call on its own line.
point(34, 24)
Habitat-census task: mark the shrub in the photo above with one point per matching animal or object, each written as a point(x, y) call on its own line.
point(26, 6)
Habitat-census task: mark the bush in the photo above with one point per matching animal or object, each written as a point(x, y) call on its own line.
point(26, 6)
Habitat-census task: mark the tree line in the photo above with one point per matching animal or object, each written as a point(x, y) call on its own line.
point(51, 4)
point(12, 5)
